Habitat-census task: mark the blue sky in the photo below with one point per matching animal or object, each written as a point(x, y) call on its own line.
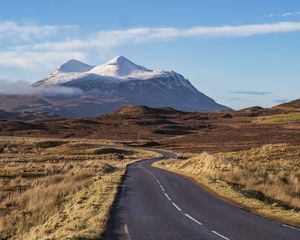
point(241, 53)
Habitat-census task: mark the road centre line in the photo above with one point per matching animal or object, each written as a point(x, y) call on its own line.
point(178, 208)
point(193, 219)
point(220, 235)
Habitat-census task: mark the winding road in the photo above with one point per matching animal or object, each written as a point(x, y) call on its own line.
point(156, 204)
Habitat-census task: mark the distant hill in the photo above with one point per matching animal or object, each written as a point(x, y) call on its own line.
point(170, 128)
point(26, 116)
point(144, 110)
point(289, 106)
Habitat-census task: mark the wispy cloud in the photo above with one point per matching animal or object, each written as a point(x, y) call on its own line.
point(285, 14)
point(111, 38)
point(26, 31)
point(24, 88)
point(37, 60)
point(258, 93)
point(41, 53)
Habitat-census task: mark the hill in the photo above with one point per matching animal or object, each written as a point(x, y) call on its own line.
point(26, 115)
point(184, 131)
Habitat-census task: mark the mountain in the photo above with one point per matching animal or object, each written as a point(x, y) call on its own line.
point(26, 115)
point(122, 82)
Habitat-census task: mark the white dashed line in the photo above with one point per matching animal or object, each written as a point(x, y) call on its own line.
point(291, 227)
point(193, 219)
point(178, 208)
point(126, 231)
point(167, 196)
point(220, 235)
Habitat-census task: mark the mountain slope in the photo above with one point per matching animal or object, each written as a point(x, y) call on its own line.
point(127, 83)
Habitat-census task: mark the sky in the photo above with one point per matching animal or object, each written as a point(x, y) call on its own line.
point(241, 53)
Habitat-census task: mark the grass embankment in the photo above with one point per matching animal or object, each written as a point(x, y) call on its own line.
point(58, 189)
point(265, 180)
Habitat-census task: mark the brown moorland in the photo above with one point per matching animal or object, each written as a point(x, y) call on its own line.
point(175, 130)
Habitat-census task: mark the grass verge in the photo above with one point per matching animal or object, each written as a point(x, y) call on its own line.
point(264, 180)
point(59, 189)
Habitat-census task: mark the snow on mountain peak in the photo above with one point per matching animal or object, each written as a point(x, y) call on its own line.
point(122, 81)
point(118, 67)
point(74, 66)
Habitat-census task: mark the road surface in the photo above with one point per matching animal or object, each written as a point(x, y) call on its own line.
point(156, 204)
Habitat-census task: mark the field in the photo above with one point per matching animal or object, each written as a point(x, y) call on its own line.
point(58, 189)
point(265, 180)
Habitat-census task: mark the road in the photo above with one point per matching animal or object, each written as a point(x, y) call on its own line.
point(156, 204)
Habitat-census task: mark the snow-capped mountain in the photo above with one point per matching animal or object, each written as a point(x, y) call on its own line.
point(118, 69)
point(122, 81)
point(74, 66)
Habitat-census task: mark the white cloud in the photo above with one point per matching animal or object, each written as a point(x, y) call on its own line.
point(24, 88)
point(32, 60)
point(46, 54)
point(107, 39)
point(286, 14)
point(13, 30)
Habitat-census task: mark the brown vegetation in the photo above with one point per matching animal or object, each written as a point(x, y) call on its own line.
point(54, 176)
point(175, 130)
point(40, 177)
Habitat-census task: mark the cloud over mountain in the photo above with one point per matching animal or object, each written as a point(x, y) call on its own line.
point(30, 50)
point(24, 88)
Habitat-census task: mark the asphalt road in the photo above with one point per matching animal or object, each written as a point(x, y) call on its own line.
point(156, 204)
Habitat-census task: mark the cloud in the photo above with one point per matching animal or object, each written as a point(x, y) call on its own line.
point(34, 60)
point(258, 93)
point(24, 88)
point(285, 14)
point(16, 31)
point(41, 53)
point(111, 38)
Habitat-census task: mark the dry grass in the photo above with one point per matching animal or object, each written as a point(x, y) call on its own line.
point(265, 179)
point(56, 189)
point(279, 118)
